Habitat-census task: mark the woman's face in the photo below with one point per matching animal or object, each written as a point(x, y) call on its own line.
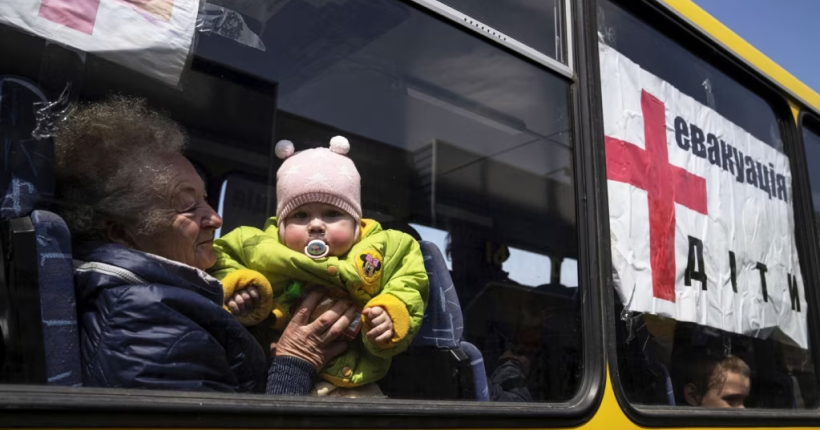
point(189, 235)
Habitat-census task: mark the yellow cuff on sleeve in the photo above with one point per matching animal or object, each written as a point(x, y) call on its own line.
point(398, 314)
point(241, 279)
point(281, 317)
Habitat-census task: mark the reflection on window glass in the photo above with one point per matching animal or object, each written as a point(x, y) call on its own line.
point(537, 24)
point(528, 268)
point(662, 361)
point(242, 201)
point(453, 135)
point(522, 267)
point(457, 142)
point(662, 57)
point(438, 237)
point(569, 272)
point(811, 141)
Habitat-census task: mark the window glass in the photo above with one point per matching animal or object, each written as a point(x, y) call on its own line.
point(523, 267)
point(537, 24)
point(710, 301)
point(689, 73)
point(457, 141)
point(811, 141)
point(527, 268)
point(438, 237)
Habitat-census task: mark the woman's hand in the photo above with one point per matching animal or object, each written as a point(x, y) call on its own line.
point(316, 342)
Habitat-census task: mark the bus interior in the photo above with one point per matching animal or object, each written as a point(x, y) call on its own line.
point(482, 164)
point(459, 143)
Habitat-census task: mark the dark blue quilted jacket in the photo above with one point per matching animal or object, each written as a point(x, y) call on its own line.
point(148, 322)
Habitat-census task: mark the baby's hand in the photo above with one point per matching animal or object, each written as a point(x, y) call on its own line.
point(380, 326)
point(243, 301)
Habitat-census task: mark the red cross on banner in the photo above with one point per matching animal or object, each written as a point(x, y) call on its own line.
point(77, 14)
point(665, 185)
point(82, 14)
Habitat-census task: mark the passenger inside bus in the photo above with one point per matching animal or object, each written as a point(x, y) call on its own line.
point(319, 215)
point(710, 380)
point(667, 362)
point(449, 132)
point(148, 314)
point(509, 381)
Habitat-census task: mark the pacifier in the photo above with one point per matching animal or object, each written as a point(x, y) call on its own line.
point(316, 248)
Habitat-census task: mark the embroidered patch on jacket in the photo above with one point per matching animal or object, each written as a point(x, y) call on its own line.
point(369, 265)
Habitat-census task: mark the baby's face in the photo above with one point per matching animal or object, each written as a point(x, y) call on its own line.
point(320, 221)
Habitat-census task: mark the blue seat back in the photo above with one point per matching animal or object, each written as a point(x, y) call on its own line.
point(480, 387)
point(665, 380)
point(58, 308)
point(443, 323)
point(28, 183)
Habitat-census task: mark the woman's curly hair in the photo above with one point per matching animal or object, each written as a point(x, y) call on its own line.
point(111, 161)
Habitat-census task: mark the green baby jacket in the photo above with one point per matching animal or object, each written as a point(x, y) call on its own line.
point(383, 268)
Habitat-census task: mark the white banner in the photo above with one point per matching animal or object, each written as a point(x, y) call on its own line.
point(700, 211)
point(150, 36)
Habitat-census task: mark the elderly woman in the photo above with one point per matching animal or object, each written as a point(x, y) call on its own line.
point(150, 317)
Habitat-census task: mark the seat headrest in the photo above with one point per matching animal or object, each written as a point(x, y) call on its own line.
point(443, 323)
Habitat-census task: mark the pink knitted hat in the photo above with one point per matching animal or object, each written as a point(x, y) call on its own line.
point(318, 175)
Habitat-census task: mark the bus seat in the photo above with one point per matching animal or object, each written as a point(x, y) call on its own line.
point(38, 310)
point(443, 322)
point(652, 374)
point(58, 308)
point(438, 346)
point(658, 377)
point(666, 380)
point(791, 391)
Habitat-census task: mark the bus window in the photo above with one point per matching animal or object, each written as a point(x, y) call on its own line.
point(536, 24)
point(450, 134)
point(457, 141)
point(710, 301)
point(811, 141)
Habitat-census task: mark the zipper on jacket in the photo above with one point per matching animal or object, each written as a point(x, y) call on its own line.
point(108, 269)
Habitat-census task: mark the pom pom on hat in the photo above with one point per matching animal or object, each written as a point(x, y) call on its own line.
point(340, 145)
point(284, 149)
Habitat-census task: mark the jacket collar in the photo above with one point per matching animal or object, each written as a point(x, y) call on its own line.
point(152, 268)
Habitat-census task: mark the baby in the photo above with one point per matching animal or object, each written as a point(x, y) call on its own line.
point(318, 238)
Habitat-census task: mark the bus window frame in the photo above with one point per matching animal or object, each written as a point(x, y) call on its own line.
point(508, 42)
point(684, 33)
point(813, 119)
point(25, 405)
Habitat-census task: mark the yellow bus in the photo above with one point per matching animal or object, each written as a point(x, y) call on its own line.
point(615, 199)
